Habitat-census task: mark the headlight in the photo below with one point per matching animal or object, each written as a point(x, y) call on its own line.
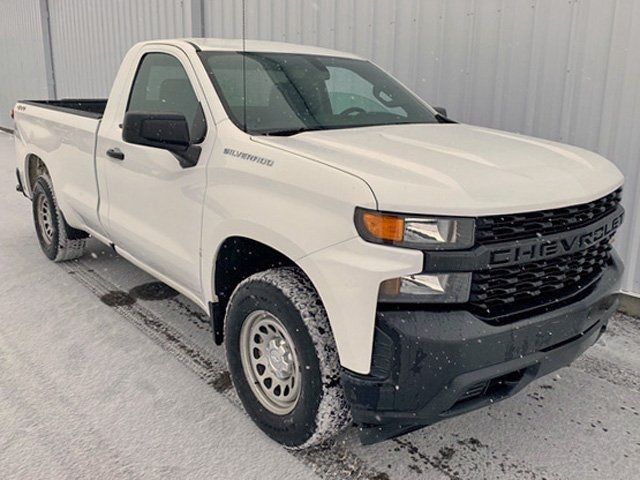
point(426, 288)
point(424, 233)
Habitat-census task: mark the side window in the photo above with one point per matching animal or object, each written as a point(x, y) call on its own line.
point(347, 89)
point(162, 86)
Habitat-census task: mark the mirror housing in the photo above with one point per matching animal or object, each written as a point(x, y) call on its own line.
point(168, 131)
point(441, 111)
point(442, 115)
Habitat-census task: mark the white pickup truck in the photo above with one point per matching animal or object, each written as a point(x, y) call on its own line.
point(362, 257)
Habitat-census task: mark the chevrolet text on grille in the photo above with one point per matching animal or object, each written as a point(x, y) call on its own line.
point(545, 248)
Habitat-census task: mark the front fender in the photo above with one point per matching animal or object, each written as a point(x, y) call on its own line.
point(294, 205)
point(247, 229)
point(303, 209)
point(347, 277)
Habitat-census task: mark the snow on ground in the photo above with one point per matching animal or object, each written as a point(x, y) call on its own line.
point(104, 373)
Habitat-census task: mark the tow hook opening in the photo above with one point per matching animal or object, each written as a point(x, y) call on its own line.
point(497, 387)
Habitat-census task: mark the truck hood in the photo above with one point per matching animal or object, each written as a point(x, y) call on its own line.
point(455, 169)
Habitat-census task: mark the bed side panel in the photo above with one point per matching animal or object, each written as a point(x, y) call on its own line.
point(65, 143)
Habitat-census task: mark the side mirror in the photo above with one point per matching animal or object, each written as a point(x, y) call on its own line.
point(168, 131)
point(441, 111)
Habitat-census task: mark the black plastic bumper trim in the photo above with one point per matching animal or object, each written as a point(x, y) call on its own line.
point(438, 357)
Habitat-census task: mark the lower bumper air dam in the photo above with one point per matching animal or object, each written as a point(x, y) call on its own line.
point(431, 365)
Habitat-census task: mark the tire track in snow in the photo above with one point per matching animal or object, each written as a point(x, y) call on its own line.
point(332, 462)
point(467, 458)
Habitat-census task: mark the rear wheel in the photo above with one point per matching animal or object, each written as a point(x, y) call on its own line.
point(282, 358)
point(58, 240)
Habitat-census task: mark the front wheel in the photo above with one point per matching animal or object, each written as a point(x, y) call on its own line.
point(283, 360)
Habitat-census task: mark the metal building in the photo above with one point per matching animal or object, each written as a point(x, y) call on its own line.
point(563, 70)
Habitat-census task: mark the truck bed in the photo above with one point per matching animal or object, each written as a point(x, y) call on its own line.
point(86, 107)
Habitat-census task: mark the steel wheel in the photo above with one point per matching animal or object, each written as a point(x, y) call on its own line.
point(283, 360)
point(58, 241)
point(270, 362)
point(45, 219)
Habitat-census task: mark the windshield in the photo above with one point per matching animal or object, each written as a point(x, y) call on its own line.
point(291, 93)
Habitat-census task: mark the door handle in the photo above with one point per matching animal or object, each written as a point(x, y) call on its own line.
point(115, 153)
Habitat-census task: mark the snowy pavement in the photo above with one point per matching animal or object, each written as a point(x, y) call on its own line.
point(105, 373)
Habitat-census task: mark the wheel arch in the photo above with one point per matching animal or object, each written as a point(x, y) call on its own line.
point(237, 258)
point(34, 167)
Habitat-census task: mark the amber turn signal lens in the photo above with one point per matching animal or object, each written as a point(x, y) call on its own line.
point(384, 227)
point(390, 288)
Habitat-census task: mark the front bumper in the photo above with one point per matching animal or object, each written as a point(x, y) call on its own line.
point(432, 365)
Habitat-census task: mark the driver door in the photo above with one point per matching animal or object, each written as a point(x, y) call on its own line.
point(153, 206)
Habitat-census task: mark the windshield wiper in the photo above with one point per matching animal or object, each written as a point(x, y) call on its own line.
point(291, 131)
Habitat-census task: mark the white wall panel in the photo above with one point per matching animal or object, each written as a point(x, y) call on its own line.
point(22, 61)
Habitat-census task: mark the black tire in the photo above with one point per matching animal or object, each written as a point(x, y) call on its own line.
point(321, 410)
point(58, 240)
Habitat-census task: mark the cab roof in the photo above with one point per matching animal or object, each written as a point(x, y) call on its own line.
point(235, 44)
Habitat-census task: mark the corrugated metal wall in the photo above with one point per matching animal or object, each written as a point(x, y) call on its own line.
point(22, 55)
point(565, 70)
point(90, 37)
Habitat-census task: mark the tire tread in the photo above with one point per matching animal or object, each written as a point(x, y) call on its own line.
point(71, 242)
point(333, 413)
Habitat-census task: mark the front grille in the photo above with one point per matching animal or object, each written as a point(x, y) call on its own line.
point(505, 291)
point(505, 228)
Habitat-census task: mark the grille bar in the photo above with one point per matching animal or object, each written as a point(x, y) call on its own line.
point(505, 228)
point(504, 291)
